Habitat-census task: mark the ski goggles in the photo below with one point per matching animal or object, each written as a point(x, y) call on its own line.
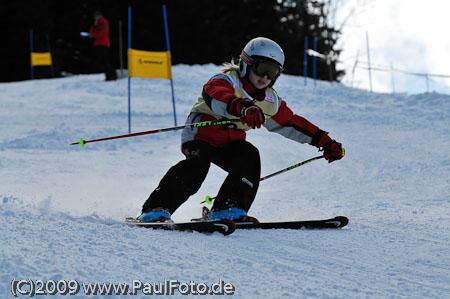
point(264, 67)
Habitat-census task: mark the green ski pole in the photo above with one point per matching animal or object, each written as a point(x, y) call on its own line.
point(209, 199)
point(82, 142)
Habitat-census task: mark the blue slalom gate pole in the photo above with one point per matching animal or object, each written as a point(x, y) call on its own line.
point(129, 79)
point(315, 61)
point(49, 50)
point(31, 51)
point(305, 60)
point(168, 49)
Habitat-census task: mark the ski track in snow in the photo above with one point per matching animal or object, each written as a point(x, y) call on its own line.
point(61, 206)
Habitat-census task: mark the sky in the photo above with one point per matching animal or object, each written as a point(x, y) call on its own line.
point(403, 34)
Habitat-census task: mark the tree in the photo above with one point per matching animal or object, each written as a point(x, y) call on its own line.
point(201, 31)
point(309, 18)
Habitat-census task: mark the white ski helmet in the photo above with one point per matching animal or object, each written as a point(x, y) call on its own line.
point(260, 47)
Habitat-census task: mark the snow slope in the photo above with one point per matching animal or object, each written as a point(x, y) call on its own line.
point(61, 206)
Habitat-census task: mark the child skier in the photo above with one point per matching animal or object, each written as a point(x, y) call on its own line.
point(239, 92)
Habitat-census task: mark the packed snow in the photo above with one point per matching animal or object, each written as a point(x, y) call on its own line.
point(62, 207)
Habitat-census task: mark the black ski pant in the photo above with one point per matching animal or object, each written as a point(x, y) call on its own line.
point(239, 158)
point(103, 59)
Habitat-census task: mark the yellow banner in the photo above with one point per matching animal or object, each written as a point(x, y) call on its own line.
point(41, 59)
point(147, 64)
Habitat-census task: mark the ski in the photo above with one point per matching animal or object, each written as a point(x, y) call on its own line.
point(224, 226)
point(336, 222)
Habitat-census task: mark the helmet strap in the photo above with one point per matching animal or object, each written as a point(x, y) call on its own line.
point(246, 58)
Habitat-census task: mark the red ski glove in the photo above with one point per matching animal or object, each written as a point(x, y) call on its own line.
point(253, 117)
point(333, 151)
point(250, 114)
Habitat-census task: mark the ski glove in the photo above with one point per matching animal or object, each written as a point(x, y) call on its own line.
point(249, 113)
point(253, 117)
point(333, 151)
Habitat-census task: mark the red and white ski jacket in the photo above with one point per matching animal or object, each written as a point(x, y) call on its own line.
point(100, 32)
point(214, 104)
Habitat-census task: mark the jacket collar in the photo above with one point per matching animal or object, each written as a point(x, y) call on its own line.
point(257, 94)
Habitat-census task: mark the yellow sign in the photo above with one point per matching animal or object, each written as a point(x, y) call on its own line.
point(147, 64)
point(38, 59)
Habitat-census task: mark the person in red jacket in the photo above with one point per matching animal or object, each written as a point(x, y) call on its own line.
point(242, 92)
point(100, 32)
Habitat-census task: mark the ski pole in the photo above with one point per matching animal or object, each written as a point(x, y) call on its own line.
point(209, 199)
point(82, 142)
